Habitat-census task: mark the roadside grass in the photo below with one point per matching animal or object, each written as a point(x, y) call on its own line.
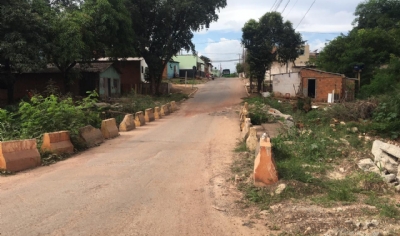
point(306, 156)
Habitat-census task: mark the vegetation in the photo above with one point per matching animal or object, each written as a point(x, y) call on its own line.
point(163, 28)
point(70, 31)
point(309, 158)
point(371, 44)
point(269, 40)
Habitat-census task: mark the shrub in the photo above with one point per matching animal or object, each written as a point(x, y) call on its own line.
point(51, 114)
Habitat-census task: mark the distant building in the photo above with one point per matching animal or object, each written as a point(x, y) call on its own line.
point(186, 64)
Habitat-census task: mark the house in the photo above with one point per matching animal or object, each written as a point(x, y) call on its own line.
point(100, 76)
point(171, 70)
point(286, 84)
point(301, 62)
point(319, 84)
point(186, 64)
point(132, 69)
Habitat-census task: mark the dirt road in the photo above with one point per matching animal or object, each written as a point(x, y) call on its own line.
point(166, 178)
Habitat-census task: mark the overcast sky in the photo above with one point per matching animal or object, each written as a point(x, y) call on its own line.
point(325, 20)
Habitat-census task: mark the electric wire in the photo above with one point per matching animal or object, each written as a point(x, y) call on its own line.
point(292, 8)
point(277, 6)
point(273, 5)
point(285, 6)
point(312, 4)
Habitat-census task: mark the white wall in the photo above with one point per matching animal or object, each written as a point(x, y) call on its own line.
point(144, 65)
point(283, 83)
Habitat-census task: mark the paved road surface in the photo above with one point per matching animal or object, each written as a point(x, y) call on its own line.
point(156, 180)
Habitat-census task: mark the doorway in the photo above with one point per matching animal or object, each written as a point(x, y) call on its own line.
point(311, 88)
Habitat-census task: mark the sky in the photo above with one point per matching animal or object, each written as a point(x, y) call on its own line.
point(325, 20)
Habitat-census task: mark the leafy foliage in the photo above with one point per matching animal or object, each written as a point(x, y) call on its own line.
point(163, 28)
point(51, 114)
point(268, 40)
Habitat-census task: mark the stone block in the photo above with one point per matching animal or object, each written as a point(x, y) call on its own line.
point(127, 124)
point(173, 106)
point(252, 140)
point(91, 135)
point(246, 129)
point(164, 110)
point(19, 155)
point(109, 128)
point(57, 142)
point(265, 171)
point(157, 113)
point(149, 115)
point(169, 108)
point(139, 119)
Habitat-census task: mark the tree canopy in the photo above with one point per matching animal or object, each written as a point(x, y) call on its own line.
point(164, 27)
point(370, 44)
point(269, 40)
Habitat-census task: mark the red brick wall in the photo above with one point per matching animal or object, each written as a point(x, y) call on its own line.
point(130, 74)
point(325, 83)
point(34, 82)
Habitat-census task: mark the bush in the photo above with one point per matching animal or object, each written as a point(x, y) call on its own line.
point(51, 114)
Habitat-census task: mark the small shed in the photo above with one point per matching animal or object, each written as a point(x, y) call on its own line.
point(286, 84)
point(101, 75)
point(171, 70)
point(318, 84)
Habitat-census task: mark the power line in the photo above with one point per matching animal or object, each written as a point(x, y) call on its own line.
point(277, 6)
point(273, 5)
point(292, 7)
point(285, 7)
point(312, 4)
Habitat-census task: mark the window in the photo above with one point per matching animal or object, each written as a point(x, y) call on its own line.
point(142, 70)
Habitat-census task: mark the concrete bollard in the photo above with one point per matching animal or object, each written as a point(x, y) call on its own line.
point(109, 128)
point(169, 108)
point(173, 106)
point(157, 113)
point(252, 140)
point(91, 135)
point(149, 115)
point(164, 110)
point(127, 124)
point(246, 129)
point(265, 171)
point(139, 119)
point(57, 142)
point(19, 155)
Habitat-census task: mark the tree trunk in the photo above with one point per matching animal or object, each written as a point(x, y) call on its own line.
point(259, 82)
point(251, 83)
point(10, 93)
point(67, 87)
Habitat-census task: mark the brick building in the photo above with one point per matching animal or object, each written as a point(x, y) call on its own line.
point(318, 84)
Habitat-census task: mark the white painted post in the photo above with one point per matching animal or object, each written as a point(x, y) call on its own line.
point(185, 78)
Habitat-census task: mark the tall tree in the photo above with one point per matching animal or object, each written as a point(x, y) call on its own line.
point(23, 43)
point(269, 40)
point(87, 31)
point(164, 27)
point(384, 14)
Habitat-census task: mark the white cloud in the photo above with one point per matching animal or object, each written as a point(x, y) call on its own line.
point(221, 53)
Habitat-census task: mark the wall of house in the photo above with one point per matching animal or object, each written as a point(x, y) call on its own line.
point(130, 74)
point(35, 82)
point(286, 83)
point(186, 62)
point(143, 66)
point(110, 77)
point(172, 69)
point(325, 83)
point(304, 58)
